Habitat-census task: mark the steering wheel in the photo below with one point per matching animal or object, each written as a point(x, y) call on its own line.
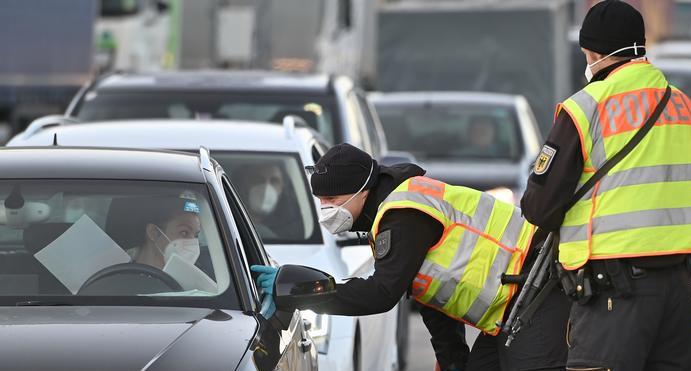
point(137, 271)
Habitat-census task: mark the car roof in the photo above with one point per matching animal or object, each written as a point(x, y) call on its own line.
point(442, 97)
point(99, 163)
point(216, 80)
point(176, 134)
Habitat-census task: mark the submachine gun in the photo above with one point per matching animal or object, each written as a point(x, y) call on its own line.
point(545, 273)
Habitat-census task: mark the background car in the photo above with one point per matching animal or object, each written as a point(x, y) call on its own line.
point(266, 164)
point(332, 105)
point(72, 298)
point(478, 140)
point(677, 72)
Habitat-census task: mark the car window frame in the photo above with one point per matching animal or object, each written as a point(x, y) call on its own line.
point(259, 255)
point(370, 122)
point(356, 123)
point(249, 298)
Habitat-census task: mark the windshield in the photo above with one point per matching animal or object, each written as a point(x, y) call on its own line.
point(452, 132)
point(88, 238)
point(317, 111)
point(274, 188)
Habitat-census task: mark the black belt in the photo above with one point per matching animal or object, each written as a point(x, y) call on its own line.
point(617, 274)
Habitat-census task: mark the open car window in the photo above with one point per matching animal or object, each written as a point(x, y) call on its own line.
point(105, 238)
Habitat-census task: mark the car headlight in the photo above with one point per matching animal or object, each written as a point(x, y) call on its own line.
point(320, 329)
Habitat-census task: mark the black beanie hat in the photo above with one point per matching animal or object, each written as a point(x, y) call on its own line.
point(343, 170)
point(611, 25)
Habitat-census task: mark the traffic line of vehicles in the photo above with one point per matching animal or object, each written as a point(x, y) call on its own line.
point(214, 169)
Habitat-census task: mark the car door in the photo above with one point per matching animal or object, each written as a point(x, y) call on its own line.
point(282, 342)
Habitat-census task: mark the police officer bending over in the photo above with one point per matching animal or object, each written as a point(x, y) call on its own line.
point(447, 246)
point(626, 240)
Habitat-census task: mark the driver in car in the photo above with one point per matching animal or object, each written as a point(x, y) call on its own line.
point(172, 230)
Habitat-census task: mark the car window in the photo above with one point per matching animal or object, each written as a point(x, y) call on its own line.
point(130, 239)
point(452, 131)
point(274, 189)
point(251, 241)
point(317, 111)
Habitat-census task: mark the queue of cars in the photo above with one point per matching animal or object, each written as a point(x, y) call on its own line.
point(84, 237)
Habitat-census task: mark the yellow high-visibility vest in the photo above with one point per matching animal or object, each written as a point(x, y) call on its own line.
point(642, 207)
point(483, 238)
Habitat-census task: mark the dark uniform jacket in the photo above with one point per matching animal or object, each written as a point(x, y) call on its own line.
point(412, 234)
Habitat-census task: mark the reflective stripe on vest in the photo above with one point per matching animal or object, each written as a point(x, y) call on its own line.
point(482, 239)
point(643, 206)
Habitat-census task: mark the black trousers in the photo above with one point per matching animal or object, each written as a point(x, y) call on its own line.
point(541, 344)
point(651, 330)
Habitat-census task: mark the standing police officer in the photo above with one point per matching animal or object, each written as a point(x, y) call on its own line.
point(447, 246)
point(626, 240)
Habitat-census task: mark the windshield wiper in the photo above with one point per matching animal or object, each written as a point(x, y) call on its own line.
point(42, 303)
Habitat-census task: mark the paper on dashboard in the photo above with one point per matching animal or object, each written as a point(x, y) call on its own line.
point(81, 251)
point(189, 276)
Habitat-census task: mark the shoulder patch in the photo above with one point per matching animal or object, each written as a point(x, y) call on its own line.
point(382, 245)
point(544, 160)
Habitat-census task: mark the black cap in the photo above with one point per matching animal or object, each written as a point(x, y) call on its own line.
point(611, 25)
point(343, 170)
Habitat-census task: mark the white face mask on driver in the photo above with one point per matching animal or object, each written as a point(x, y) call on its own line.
point(588, 68)
point(336, 218)
point(186, 248)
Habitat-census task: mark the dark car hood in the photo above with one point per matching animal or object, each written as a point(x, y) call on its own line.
point(122, 338)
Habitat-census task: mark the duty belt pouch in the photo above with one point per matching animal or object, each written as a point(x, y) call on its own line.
point(619, 277)
point(584, 287)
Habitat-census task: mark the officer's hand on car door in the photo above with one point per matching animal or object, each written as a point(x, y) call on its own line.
point(265, 282)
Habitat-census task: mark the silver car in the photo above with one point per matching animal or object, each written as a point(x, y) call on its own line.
point(332, 105)
point(479, 140)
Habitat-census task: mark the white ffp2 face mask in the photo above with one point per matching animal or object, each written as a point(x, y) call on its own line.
point(186, 248)
point(588, 68)
point(336, 218)
point(263, 198)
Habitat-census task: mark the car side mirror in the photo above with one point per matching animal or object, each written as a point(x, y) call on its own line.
point(397, 157)
point(298, 286)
